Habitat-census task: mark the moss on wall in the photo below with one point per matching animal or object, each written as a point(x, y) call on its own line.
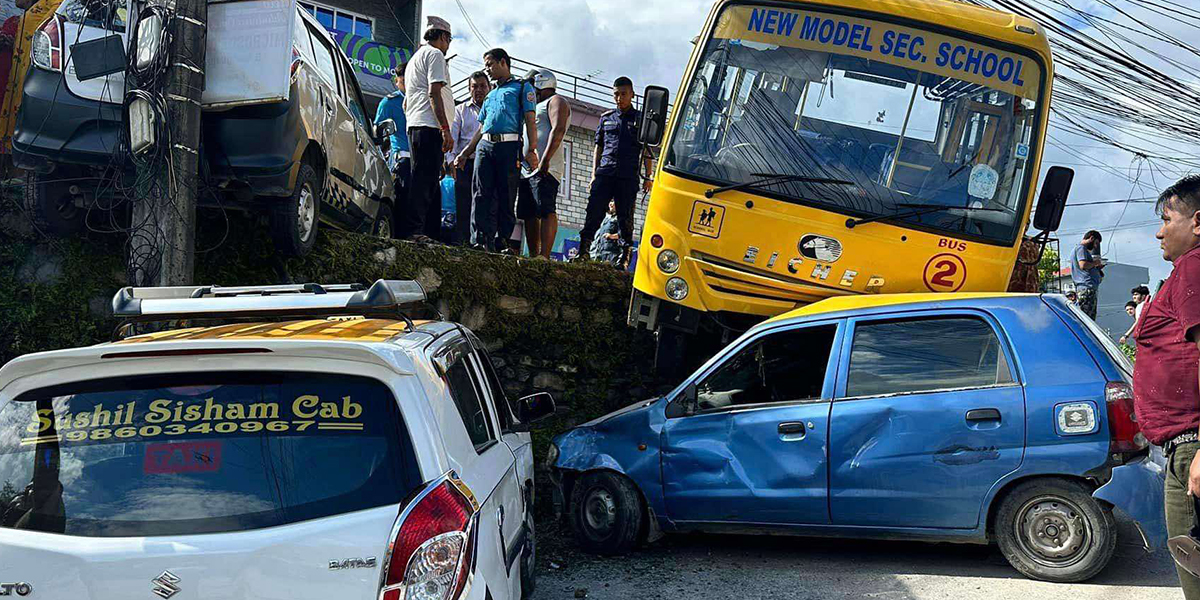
point(548, 324)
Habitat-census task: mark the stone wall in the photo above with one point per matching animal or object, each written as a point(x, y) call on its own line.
point(549, 326)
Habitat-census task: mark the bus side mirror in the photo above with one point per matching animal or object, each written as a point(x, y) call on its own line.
point(1053, 199)
point(654, 116)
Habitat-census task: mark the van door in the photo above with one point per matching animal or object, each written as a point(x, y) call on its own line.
point(367, 157)
point(341, 147)
point(929, 416)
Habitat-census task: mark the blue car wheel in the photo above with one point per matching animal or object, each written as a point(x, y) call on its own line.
point(1053, 530)
point(606, 513)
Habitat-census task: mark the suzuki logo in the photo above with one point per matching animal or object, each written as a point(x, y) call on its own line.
point(165, 585)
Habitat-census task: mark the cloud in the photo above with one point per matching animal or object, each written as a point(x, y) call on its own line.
point(648, 42)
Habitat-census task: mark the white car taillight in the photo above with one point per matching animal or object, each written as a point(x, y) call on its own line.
point(430, 556)
point(47, 45)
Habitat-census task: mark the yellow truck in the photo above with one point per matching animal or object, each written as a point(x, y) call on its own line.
point(839, 147)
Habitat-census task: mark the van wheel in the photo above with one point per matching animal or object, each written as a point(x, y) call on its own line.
point(294, 221)
point(385, 223)
point(606, 513)
point(529, 553)
point(51, 206)
point(1054, 530)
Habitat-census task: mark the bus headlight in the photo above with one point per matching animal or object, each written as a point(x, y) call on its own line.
point(677, 288)
point(668, 261)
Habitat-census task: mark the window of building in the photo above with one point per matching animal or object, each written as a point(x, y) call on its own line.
point(921, 355)
point(564, 187)
point(336, 19)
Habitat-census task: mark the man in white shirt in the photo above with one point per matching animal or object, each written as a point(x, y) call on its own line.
point(466, 123)
point(1141, 295)
point(427, 108)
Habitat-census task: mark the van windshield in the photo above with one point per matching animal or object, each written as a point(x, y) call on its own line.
point(188, 454)
point(931, 130)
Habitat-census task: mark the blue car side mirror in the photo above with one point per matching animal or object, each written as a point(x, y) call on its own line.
point(684, 404)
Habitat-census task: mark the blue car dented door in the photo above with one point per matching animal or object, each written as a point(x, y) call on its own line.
point(747, 442)
point(929, 416)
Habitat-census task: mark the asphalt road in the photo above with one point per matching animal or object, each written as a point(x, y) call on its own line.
point(748, 567)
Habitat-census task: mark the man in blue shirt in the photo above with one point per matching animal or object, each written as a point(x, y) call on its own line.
point(615, 168)
point(1086, 271)
point(497, 148)
point(392, 107)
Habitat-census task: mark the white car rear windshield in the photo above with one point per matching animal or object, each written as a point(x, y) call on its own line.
point(200, 453)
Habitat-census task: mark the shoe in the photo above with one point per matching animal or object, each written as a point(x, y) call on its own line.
point(421, 238)
point(582, 257)
point(479, 247)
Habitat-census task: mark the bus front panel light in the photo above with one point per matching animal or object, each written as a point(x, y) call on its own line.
point(668, 261)
point(677, 289)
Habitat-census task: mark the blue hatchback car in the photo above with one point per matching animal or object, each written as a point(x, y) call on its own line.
point(971, 418)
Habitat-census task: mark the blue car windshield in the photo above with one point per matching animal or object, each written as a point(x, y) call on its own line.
point(905, 131)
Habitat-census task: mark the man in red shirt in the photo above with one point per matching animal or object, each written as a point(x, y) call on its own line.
point(1166, 384)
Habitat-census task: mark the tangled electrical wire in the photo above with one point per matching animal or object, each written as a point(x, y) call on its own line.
point(1122, 78)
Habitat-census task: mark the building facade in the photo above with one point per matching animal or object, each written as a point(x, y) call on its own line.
point(1114, 293)
point(376, 35)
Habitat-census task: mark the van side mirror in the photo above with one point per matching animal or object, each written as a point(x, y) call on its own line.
point(384, 129)
point(684, 405)
point(535, 407)
point(1053, 199)
point(654, 115)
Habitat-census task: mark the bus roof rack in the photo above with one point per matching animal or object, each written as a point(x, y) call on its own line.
point(385, 297)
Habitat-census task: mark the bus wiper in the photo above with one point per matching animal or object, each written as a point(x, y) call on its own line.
point(771, 178)
point(922, 209)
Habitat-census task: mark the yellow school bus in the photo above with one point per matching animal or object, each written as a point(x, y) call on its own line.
point(838, 147)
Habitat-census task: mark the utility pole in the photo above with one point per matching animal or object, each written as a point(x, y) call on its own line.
point(163, 234)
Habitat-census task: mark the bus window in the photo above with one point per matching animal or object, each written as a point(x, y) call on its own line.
point(905, 133)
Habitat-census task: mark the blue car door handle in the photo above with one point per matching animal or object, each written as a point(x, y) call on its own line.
point(983, 414)
point(792, 428)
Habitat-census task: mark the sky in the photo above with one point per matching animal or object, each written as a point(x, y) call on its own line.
point(650, 42)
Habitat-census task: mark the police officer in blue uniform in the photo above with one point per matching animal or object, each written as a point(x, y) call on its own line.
point(399, 156)
point(497, 149)
point(615, 171)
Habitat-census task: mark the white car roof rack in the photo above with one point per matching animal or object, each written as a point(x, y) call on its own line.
point(386, 298)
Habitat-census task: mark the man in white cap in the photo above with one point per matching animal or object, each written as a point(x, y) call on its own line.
point(537, 193)
point(428, 108)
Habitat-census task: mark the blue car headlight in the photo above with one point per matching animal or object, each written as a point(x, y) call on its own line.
point(552, 456)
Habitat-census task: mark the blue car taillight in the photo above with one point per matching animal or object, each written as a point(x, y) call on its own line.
point(1124, 431)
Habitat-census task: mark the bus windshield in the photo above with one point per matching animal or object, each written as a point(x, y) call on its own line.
point(932, 130)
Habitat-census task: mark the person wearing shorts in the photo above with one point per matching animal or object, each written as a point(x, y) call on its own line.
point(537, 192)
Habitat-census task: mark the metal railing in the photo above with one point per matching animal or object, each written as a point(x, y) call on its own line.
point(572, 85)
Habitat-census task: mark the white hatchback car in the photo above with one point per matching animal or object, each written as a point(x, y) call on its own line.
point(352, 454)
